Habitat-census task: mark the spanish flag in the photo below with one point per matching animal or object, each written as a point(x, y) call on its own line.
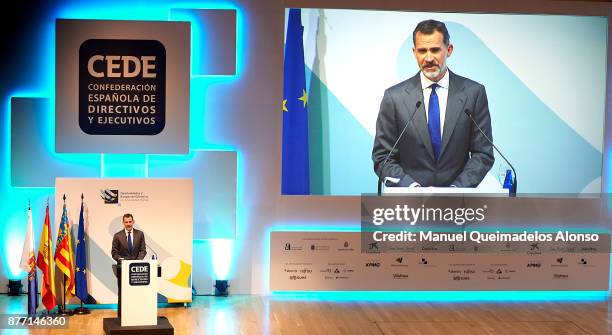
point(45, 264)
point(64, 258)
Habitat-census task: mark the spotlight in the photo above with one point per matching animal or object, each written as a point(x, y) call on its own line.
point(14, 287)
point(221, 288)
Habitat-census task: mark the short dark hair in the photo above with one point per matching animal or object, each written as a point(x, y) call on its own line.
point(428, 27)
point(127, 215)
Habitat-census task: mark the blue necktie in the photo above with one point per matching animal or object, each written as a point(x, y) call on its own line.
point(433, 121)
point(130, 242)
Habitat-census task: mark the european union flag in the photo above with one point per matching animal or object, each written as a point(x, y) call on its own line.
point(81, 260)
point(295, 170)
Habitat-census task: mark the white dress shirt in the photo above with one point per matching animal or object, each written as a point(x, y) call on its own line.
point(441, 91)
point(126, 236)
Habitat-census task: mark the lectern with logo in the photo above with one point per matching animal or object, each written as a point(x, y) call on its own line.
point(139, 293)
point(137, 282)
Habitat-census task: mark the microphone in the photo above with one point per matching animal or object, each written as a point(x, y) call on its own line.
point(384, 163)
point(514, 184)
point(154, 256)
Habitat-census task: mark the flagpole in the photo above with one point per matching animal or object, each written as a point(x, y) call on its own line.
point(81, 310)
point(36, 284)
point(49, 311)
point(61, 309)
point(44, 262)
point(28, 264)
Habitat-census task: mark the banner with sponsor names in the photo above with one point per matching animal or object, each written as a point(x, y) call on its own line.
point(335, 261)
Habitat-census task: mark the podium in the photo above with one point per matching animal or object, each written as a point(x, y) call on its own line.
point(444, 191)
point(137, 282)
point(139, 293)
point(488, 186)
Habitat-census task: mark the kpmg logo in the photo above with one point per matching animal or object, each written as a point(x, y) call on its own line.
point(122, 87)
point(110, 196)
point(534, 264)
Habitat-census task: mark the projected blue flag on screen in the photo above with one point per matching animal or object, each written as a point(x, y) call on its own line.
point(81, 260)
point(295, 168)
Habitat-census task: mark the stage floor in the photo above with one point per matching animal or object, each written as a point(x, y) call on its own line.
point(310, 316)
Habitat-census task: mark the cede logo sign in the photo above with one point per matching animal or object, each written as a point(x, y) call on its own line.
point(140, 274)
point(141, 268)
point(122, 87)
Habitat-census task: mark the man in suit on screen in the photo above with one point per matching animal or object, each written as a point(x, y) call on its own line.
point(128, 243)
point(441, 146)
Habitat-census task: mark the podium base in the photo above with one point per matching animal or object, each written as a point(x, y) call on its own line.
point(112, 326)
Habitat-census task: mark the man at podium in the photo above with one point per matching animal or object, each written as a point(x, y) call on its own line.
point(441, 146)
point(128, 243)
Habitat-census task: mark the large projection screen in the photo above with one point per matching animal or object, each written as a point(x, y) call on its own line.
point(547, 107)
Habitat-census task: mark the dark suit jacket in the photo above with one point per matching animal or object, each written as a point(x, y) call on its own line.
point(465, 155)
point(120, 248)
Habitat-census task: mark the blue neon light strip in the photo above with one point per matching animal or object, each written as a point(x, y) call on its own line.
point(442, 296)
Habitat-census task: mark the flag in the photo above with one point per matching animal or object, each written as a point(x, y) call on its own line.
point(64, 259)
point(295, 165)
point(81, 260)
point(45, 264)
point(28, 264)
